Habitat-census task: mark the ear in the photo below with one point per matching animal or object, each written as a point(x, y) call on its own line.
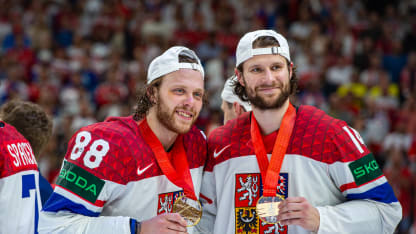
point(290, 70)
point(239, 76)
point(238, 109)
point(151, 92)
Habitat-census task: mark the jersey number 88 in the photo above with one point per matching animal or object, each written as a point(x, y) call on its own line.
point(97, 150)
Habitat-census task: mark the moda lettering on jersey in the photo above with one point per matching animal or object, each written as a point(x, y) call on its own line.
point(178, 173)
point(267, 205)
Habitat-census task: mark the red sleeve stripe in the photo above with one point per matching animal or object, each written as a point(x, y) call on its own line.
point(98, 203)
point(353, 185)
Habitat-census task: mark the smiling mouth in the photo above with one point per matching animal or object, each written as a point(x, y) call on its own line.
point(185, 114)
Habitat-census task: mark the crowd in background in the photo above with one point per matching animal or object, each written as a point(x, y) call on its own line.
point(83, 61)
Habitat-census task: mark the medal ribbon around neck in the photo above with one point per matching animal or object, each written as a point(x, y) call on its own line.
point(270, 171)
point(181, 177)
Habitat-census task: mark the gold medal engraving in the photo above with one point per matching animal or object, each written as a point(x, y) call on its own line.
point(267, 208)
point(189, 209)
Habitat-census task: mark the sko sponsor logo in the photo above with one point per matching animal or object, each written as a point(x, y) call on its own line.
point(365, 169)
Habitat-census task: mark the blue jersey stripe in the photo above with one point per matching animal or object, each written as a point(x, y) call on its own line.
point(58, 202)
point(382, 193)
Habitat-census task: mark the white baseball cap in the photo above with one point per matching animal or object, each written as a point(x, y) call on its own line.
point(228, 94)
point(245, 46)
point(169, 62)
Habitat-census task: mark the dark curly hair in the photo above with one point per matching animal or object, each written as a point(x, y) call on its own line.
point(146, 94)
point(30, 120)
point(263, 42)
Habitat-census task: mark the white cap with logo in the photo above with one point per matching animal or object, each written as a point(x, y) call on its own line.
point(245, 48)
point(169, 62)
point(229, 96)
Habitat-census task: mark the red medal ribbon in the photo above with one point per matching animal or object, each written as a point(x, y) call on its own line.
point(270, 172)
point(181, 177)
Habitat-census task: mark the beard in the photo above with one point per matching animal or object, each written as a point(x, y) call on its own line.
point(166, 117)
point(262, 102)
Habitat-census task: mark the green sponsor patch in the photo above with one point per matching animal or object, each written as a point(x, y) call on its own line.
point(365, 169)
point(80, 181)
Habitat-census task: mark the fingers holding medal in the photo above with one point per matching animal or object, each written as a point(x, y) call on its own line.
point(298, 211)
point(268, 208)
point(189, 209)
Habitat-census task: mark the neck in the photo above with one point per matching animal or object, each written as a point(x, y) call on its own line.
point(165, 136)
point(270, 120)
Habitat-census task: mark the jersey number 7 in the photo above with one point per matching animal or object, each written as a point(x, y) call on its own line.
point(28, 183)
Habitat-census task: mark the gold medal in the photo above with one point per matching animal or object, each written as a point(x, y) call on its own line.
point(267, 208)
point(189, 209)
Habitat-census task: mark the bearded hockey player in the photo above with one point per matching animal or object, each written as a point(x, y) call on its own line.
point(125, 174)
point(286, 169)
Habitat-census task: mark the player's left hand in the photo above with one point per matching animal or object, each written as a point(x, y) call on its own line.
point(298, 211)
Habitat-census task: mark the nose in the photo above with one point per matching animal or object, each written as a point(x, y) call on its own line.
point(268, 76)
point(189, 100)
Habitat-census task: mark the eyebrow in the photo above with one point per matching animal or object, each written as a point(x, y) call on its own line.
point(271, 64)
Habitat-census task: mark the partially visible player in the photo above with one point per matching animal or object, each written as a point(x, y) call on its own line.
point(35, 125)
point(20, 200)
point(232, 105)
point(124, 174)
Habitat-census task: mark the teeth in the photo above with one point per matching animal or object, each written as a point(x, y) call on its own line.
point(184, 114)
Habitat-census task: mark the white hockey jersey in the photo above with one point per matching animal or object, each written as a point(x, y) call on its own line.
point(326, 162)
point(110, 176)
point(20, 201)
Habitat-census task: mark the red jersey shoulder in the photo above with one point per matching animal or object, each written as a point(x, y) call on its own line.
point(15, 152)
point(195, 144)
point(230, 140)
point(321, 137)
point(106, 149)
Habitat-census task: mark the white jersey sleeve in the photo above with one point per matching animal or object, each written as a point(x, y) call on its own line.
point(370, 201)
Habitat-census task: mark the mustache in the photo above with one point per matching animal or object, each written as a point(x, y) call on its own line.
point(271, 86)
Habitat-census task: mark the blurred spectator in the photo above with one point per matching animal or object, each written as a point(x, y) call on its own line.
point(339, 74)
point(399, 176)
point(371, 75)
point(385, 94)
point(208, 49)
point(408, 76)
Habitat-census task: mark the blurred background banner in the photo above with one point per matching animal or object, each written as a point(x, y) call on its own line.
point(83, 61)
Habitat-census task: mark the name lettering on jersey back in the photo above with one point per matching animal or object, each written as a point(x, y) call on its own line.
point(21, 153)
point(80, 181)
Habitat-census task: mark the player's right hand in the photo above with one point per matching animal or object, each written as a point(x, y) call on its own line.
point(165, 223)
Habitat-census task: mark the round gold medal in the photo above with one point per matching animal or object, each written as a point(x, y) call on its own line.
point(189, 209)
point(267, 208)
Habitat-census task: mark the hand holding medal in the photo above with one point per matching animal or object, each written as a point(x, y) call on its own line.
point(189, 209)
